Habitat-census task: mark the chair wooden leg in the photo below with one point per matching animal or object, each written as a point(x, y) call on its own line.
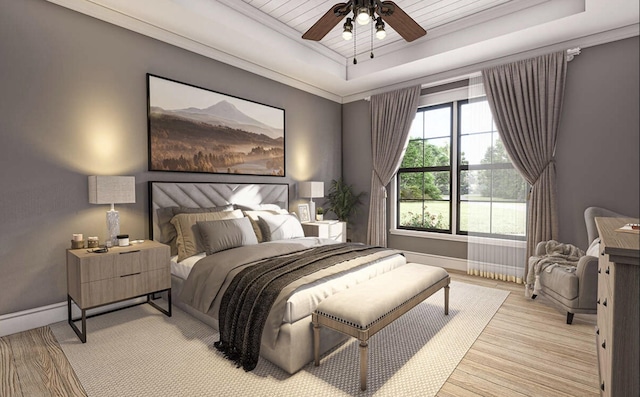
point(569, 318)
point(446, 300)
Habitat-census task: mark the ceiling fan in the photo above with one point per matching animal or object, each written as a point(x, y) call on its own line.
point(363, 11)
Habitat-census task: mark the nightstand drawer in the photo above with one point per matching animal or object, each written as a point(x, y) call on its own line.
point(334, 230)
point(127, 262)
point(110, 290)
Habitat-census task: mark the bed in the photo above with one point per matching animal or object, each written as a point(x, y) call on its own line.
point(207, 226)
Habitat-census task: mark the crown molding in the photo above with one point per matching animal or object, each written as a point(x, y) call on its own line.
point(117, 18)
point(466, 71)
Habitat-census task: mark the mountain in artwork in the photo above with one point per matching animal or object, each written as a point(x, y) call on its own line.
point(225, 114)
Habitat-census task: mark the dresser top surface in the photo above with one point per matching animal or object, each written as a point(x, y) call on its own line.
point(618, 242)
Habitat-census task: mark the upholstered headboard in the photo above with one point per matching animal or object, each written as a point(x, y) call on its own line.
point(205, 194)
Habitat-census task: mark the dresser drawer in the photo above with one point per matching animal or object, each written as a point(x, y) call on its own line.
point(604, 362)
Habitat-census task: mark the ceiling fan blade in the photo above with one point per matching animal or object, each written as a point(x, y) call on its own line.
point(328, 21)
point(400, 21)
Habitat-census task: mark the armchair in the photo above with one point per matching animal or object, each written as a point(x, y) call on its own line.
point(575, 292)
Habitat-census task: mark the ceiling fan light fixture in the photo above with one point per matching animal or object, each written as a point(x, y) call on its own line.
point(380, 32)
point(363, 16)
point(363, 11)
point(347, 33)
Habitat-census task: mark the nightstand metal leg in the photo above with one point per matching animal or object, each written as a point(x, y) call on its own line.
point(167, 311)
point(82, 335)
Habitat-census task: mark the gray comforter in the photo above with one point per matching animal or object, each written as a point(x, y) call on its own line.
point(210, 277)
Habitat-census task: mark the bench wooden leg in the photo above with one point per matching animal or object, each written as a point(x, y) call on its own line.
point(363, 364)
point(446, 300)
point(316, 342)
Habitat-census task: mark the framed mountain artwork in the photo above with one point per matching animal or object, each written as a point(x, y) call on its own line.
point(192, 129)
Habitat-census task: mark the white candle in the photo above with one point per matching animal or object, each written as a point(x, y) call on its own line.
point(77, 237)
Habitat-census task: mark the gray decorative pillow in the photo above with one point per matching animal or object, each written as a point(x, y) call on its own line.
point(168, 231)
point(188, 238)
point(225, 234)
point(253, 217)
point(279, 227)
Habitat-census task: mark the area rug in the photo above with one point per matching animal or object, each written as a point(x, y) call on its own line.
point(140, 352)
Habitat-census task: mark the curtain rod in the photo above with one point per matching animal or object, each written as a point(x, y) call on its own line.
point(572, 52)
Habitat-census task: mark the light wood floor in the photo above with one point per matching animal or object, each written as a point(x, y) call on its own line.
point(525, 350)
point(32, 365)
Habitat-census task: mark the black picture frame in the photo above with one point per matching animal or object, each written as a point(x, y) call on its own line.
point(194, 129)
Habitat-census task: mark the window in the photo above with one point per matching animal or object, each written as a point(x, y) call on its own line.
point(424, 178)
point(456, 178)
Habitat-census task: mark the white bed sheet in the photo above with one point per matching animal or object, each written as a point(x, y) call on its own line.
point(182, 269)
point(305, 299)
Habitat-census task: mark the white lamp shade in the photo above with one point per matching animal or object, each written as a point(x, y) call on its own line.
point(311, 189)
point(112, 189)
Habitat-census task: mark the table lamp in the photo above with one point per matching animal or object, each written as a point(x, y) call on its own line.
point(112, 190)
point(311, 190)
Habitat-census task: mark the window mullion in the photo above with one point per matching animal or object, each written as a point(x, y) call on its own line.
point(453, 191)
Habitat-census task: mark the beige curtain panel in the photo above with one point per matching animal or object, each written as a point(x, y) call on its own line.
point(391, 116)
point(526, 101)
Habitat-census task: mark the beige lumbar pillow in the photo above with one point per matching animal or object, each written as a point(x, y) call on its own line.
point(188, 235)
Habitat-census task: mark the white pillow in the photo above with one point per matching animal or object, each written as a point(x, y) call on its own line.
point(594, 248)
point(280, 227)
point(253, 217)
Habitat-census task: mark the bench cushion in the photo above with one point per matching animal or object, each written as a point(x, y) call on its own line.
point(366, 303)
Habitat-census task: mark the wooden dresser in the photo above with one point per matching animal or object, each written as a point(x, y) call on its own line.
point(97, 279)
point(618, 329)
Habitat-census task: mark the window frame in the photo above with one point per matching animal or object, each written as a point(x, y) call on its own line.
point(454, 98)
point(431, 169)
point(466, 167)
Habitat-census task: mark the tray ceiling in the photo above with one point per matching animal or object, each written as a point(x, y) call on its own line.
point(264, 37)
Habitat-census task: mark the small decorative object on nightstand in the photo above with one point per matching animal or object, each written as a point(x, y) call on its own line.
point(97, 278)
point(334, 230)
point(319, 214)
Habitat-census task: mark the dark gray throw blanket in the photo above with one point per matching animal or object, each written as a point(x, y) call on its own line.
point(248, 299)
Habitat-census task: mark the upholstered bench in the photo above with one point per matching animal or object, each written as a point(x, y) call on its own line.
point(370, 306)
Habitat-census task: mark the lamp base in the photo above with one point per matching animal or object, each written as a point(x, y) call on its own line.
point(113, 227)
point(312, 211)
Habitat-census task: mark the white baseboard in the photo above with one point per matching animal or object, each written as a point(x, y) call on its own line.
point(40, 316)
point(437, 260)
point(33, 318)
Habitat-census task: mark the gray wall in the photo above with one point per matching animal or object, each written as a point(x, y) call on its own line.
point(597, 151)
point(73, 103)
point(356, 163)
point(598, 148)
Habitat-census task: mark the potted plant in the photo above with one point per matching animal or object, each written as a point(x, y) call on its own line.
point(342, 201)
point(319, 213)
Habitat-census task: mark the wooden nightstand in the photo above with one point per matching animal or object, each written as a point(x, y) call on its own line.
point(326, 229)
point(97, 279)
